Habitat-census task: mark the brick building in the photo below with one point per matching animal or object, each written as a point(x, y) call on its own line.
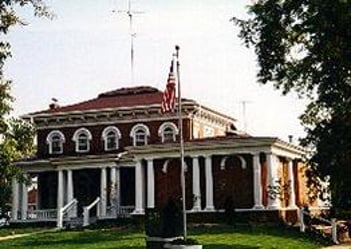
point(117, 155)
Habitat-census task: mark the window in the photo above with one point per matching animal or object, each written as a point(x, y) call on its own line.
point(139, 134)
point(168, 132)
point(110, 136)
point(55, 140)
point(82, 139)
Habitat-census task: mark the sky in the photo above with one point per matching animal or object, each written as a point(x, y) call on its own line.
point(85, 50)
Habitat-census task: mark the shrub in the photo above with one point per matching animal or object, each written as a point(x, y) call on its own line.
point(166, 222)
point(229, 211)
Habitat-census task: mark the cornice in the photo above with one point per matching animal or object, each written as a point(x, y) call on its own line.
point(107, 116)
point(253, 145)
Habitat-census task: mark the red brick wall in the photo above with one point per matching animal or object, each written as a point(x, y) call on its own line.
point(97, 145)
point(233, 182)
point(167, 184)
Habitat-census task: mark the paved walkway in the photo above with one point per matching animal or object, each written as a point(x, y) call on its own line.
point(343, 246)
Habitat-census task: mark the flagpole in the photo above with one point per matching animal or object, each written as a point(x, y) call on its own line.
point(181, 141)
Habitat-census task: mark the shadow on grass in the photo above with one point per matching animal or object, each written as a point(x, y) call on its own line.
point(233, 246)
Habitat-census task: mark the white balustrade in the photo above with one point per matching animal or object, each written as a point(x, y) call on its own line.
point(72, 205)
point(86, 211)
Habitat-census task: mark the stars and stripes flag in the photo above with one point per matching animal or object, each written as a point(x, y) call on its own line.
point(168, 98)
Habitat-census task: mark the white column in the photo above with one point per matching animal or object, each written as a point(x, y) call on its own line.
point(59, 190)
point(209, 183)
point(15, 199)
point(64, 184)
point(118, 188)
point(257, 182)
point(103, 191)
point(24, 203)
point(150, 184)
point(69, 186)
point(196, 184)
point(70, 194)
point(292, 198)
point(113, 194)
point(138, 188)
point(272, 178)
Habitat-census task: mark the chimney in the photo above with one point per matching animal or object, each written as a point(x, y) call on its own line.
point(54, 104)
point(290, 138)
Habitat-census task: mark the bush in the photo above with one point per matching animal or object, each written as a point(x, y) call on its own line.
point(166, 223)
point(229, 211)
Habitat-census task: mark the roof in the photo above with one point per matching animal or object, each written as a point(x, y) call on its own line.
point(122, 97)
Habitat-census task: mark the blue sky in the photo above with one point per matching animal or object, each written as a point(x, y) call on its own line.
point(85, 50)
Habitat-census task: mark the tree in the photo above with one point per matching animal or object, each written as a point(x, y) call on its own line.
point(16, 136)
point(304, 46)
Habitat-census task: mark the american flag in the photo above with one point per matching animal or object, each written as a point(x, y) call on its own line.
point(168, 98)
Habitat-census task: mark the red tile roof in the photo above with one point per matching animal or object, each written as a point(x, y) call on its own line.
point(123, 97)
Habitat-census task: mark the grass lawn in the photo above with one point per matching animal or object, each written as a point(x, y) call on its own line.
point(13, 231)
point(118, 238)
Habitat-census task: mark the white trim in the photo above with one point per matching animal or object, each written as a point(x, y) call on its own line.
point(113, 122)
point(136, 128)
point(91, 111)
point(166, 125)
point(165, 166)
point(49, 141)
point(76, 135)
point(225, 158)
point(105, 132)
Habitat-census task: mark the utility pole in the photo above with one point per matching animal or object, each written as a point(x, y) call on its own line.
point(130, 13)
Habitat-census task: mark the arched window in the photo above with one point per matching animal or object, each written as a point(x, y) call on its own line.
point(110, 136)
point(168, 132)
point(139, 134)
point(55, 140)
point(82, 139)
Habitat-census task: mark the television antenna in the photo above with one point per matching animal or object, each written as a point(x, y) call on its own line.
point(130, 13)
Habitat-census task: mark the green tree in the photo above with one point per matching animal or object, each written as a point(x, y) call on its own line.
point(304, 46)
point(16, 136)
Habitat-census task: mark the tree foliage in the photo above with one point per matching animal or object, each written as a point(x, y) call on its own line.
point(304, 46)
point(16, 136)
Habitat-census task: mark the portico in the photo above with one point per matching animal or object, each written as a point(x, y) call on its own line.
point(263, 162)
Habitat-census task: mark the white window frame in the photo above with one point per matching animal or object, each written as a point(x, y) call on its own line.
point(134, 131)
point(76, 135)
point(166, 125)
point(104, 137)
point(49, 141)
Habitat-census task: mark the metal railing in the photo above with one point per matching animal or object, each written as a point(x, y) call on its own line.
point(332, 222)
point(86, 211)
point(69, 207)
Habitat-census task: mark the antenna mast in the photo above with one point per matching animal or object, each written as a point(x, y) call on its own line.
point(130, 14)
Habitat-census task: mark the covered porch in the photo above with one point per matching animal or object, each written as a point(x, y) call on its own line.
point(258, 174)
point(68, 190)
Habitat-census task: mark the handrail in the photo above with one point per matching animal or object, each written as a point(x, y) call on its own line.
point(331, 222)
point(86, 211)
point(97, 200)
point(63, 211)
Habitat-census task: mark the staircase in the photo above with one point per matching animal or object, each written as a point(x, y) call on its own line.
point(74, 222)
